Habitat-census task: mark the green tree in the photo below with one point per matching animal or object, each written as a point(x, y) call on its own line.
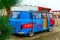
point(7, 4)
point(5, 29)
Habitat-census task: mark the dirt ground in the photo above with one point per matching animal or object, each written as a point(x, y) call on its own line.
point(57, 22)
point(54, 35)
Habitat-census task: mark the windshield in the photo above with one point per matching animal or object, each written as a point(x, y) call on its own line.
point(15, 15)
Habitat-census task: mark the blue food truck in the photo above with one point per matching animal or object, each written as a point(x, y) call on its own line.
point(29, 22)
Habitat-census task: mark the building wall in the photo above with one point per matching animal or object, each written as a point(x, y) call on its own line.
point(56, 14)
point(57, 18)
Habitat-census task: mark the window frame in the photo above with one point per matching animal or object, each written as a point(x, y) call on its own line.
point(18, 15)
point(37, 13)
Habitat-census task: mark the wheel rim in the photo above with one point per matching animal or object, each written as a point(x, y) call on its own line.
point(50, 29)
point(31, 33)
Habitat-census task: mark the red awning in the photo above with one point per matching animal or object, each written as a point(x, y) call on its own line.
point(43, 8)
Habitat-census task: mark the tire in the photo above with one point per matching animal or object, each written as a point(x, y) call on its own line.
point(31, 33)
point(50, 29)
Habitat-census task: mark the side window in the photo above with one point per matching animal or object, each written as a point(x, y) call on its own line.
point(15, 14)
point(36, 15)
point(44, 15)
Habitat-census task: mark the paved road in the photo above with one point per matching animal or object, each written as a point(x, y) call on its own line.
point(54, 35)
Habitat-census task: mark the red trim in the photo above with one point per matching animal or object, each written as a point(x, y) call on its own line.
point(41, 8)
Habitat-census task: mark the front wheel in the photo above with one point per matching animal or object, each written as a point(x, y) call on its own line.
point(50, 29)
point(31, 33)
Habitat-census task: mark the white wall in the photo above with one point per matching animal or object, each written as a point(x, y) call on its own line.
point(24, 8)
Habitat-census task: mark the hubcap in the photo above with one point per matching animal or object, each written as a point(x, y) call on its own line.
point(31, 33)
point(50, 29)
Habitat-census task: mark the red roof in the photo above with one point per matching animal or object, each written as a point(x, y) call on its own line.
point(41, 8)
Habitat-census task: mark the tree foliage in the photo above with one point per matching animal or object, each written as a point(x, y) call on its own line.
point(1, 5)
point(5, 29)
point(7, 4)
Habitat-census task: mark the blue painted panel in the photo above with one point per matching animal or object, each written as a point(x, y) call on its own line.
point(38, 25)
point(25, 15)
point(48, 23)
point(16, 23)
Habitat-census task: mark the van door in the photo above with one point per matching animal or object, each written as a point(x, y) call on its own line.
point(38, 21)
point(48, 20)
point(44, 17)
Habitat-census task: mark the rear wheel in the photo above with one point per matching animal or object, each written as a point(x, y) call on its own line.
point(31, 33)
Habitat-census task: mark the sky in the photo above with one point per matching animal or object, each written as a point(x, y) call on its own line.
point(53, 4)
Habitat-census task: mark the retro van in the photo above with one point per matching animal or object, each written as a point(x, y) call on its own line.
point(29, 22)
